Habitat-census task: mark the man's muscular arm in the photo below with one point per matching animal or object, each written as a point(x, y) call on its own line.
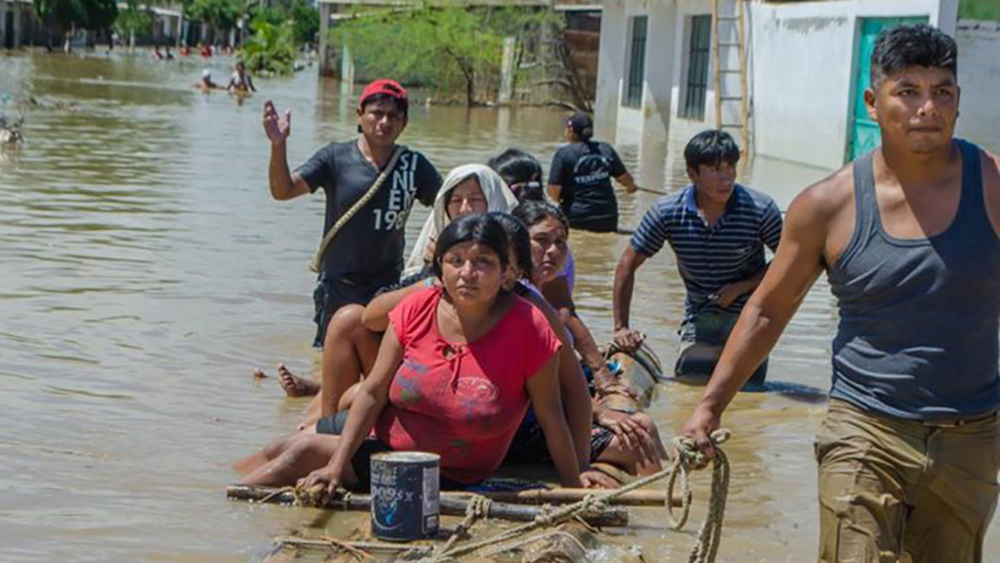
point(621, 299)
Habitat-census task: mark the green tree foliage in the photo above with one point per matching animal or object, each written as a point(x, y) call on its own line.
point(271, 48)
point(133, 20)
point(220, 14)
point(304, 18)
point(86, 14)
point(986, 10)
point(449, 48)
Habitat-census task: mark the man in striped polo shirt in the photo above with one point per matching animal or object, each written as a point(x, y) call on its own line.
point(717, 229)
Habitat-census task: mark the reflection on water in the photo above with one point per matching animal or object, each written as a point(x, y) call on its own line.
point(146, 271)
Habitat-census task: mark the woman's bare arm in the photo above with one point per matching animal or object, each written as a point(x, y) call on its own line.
point(543, 389)
point(572, 386)
point(376, 315)
point(371, 398)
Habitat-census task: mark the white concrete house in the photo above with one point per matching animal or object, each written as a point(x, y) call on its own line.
point(15, 17)
point(806, 67)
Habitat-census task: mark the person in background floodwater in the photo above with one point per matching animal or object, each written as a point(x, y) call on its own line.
point(240, 81)
point(717, 230)
point(206, 82)
point(347, 171)
point(580, 178)
point(909, 237)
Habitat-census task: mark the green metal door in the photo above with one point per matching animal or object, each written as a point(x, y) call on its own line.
point(865, 135)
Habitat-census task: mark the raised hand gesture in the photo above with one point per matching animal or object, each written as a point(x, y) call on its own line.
point(277, 127)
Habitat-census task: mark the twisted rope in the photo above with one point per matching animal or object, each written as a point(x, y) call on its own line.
point(687, 458)
point(478, 507)
point(353, 210)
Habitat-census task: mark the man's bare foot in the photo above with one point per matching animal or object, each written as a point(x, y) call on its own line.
point(294, 385)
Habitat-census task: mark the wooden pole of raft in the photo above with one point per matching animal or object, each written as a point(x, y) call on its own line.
point(568, 496)
point(451, 505)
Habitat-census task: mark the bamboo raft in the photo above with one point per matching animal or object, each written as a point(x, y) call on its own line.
point(638, 375)
point(451, 504)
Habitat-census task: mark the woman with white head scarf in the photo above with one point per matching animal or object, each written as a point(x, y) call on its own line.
point(470, 188)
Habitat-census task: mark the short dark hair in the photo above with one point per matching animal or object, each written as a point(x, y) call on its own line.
point(477, 227)
point(581, 124)
point(518, 168)
point(517, 236)
point(533, 212)
point(711, 147)
point(905, 46)
point(401, 104)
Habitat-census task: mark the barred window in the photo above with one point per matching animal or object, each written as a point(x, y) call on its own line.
point(699, 51)
point(637, 63)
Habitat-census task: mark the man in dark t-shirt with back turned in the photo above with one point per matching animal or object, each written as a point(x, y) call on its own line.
point(580, 178)
point(366, 254)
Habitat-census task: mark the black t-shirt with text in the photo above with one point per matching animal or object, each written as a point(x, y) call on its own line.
point(370, 246)
point(584, 171)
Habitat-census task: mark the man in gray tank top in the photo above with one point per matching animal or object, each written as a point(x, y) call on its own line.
point(908, 236)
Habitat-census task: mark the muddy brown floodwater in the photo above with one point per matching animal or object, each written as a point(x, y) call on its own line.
point(146, 271)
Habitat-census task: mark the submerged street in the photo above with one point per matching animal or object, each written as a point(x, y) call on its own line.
point(147, 272)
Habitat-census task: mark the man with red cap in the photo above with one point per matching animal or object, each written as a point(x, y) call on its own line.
point(366, 253)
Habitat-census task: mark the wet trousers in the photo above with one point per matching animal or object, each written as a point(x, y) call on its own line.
point(891, 488)
point(702, 339)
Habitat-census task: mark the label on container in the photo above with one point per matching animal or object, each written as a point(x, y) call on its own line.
point(431, 499)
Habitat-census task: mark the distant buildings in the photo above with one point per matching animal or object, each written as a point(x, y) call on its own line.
point(806, 67)
point(17, 22)
point(21, 27)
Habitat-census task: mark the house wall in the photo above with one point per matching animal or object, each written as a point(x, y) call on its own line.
point(979, 78)
point(14, 32)
point(685, 127)
point(652, 118)
point(610, 70)
point(802, 69)
point(801, 66)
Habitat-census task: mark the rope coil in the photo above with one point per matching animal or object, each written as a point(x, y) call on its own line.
point(689, 457)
